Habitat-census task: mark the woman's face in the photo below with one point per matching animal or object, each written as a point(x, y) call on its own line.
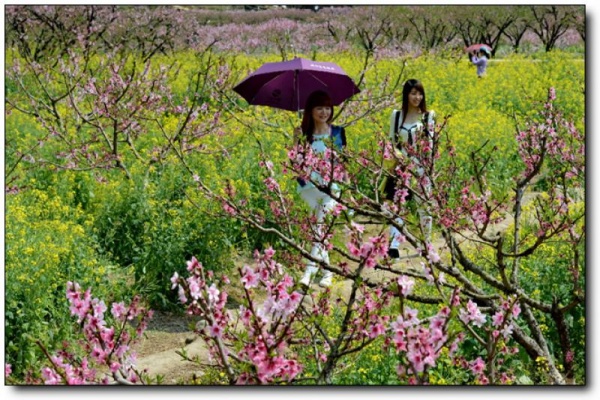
point(321, 114)
point(415, 97)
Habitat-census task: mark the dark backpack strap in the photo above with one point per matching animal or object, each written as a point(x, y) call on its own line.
point(396, 125)
point(426, 123)
point(426, 119)
point(338, 134)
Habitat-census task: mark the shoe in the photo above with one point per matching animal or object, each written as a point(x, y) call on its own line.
point(393, 253)
point(326, 281)
point(305, 281)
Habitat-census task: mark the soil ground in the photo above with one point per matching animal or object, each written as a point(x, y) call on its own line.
point(168, 334)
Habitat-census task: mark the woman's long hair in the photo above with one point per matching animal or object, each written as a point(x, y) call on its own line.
point(318, 98)
point(408, 86)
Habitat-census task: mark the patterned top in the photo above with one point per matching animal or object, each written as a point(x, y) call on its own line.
point(408, 132)
point(319, 145)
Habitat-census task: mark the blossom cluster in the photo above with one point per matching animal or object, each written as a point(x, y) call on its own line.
point(262, 355)
point(106, 347)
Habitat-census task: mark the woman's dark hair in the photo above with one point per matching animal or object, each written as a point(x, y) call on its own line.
point(318, 98)
point(409, 85)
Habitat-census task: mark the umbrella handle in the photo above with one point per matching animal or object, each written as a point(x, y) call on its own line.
point(297, 87)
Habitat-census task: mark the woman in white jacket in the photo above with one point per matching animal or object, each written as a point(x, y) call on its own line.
point(406, 126)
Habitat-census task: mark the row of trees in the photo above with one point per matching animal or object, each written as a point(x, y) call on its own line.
point(48, 31)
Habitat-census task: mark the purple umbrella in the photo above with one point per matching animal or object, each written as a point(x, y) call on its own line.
point(287, 84)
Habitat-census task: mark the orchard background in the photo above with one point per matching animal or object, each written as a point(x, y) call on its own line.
point(128, 159)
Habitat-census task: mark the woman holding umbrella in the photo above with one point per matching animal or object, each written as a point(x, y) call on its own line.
point(480, 59)
point(316, 129)
point(318, 85)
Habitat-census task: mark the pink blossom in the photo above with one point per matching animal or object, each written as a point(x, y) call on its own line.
point(455, 301)
point(287, 281)
point(516, 310)
point(371, 261)
point(498, 318)
point(229, 209)
point(249, 278)
point(376, 330)
point(416, 360)
point(213, 294)
point(406, 284)
point(99, 308)
point(174, 280)
point(505, 379)
point(215, 331)
point(271, 185)
point(79, 308)
point(410, 315)
point(355, 251)
point(507, 331)
point(99, 354)
point(114, 366)
point(51, 377)
point(245, 315)
point(359, 228)
point(472, 314)
point(477, 366)
point(181, 295)
point(569, 356)
point(73, 291)
point(337, 209)
point(193, 264)
point(432, 255)
point(437, 322)
point(269, 252)
point(441, 278)
point(194, 288)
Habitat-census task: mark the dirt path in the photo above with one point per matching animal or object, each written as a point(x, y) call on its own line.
point(166, 335)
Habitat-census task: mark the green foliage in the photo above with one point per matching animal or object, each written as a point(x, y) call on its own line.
point(47, 244)
point(151, 225)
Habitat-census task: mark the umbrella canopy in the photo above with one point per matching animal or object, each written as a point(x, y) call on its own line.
point(287, 84)
point(479, 46)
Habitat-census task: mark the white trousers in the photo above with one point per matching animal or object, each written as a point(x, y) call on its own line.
point(320, 203)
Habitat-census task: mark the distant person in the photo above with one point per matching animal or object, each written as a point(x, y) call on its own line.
point(480, 59)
